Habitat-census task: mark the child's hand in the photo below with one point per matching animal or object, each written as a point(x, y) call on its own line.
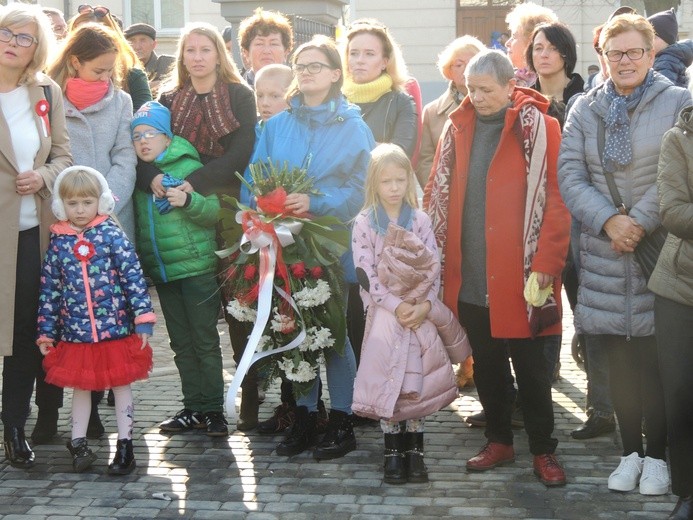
point(176, 197)
point(186, 187)
point(157, 188)
point(45, 348)
point(412, 316)
point(145, 339)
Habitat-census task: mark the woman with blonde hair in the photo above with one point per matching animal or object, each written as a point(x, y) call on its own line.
point(213, 108)
point(131, 69)
point(452, 63)
point(34, 149)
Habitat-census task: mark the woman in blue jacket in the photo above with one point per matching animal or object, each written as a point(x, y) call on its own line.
point(325, 134)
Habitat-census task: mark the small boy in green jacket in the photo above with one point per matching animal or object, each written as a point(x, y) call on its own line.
point(176, 243)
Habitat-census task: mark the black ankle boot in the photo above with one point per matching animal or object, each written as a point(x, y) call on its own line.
point(301, 435)
point(95, 428)
point(124, 459)
point(339, 438)
point(250, 404)
point(46, 426)
point(82, 456)
point(683, 509)
point(394, 470)
point(17, 449)
point(413, 445)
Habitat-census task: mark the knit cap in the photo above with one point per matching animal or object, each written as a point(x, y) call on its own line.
point(666, 25)
point(153, 114)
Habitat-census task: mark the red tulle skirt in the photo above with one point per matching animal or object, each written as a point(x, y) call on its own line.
point(97, 366)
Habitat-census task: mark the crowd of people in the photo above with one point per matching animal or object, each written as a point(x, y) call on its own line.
point(116, 161)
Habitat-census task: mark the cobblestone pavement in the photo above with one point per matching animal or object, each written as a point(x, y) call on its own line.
point(190, 475)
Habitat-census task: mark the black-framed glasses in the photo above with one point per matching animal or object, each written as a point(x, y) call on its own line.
point(22, 39)
point(313, 68)
point(149, 134)
point(633, 54)
point(99, 11)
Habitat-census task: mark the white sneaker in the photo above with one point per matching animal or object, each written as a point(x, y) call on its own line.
point(626, 476)
point(655, 477)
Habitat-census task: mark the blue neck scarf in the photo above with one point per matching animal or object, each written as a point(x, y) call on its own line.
point(618, 150)
point(380, 220)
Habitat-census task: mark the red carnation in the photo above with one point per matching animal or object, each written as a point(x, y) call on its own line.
point(316, 272)
point(250, 272)
point(273, 202)
point(298, 270)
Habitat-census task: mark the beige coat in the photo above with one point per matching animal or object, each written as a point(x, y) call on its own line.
point(435, 115)
point(53, 157)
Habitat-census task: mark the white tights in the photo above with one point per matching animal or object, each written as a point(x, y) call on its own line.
point(124, 410)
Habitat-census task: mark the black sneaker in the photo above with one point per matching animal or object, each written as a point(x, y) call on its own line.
point(216, 424)
point(183, 421)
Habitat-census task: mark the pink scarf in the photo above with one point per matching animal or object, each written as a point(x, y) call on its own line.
point(83, 94)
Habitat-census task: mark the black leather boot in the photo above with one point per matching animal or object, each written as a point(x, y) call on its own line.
point(301, 435)
point(124, 459)
point(339, 438)
point(82, 456)
point(413, 446)
point(394, 469)
point(46, 426)
point(250, 405)
point(17, 449)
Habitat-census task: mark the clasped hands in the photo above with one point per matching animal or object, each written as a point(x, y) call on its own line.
point(625, 233)
point(176, 196)
point(411, 316)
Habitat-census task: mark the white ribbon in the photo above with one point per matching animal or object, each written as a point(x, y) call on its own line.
point(265, 245)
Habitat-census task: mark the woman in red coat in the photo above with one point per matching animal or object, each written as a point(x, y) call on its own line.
point(501, 225)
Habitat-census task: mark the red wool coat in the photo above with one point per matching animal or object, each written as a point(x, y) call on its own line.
point(506, 188)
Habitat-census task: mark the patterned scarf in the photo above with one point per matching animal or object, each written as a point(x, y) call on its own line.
point(532, 130)
point(202, 120)
point(618, 150)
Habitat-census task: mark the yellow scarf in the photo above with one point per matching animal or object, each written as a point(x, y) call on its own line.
point(367, 92)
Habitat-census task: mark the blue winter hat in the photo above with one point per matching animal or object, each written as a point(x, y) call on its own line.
point(153, 114)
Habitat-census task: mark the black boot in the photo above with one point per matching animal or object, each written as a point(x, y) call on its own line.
point(413, 445)
point(124, 459)
point(46, 426)
point(301, 435)
point(339, 438)
point(394, 470)
point(95, 428)
point(17, 449)
point(683, 509)
point(250, 404)
point(82, 456)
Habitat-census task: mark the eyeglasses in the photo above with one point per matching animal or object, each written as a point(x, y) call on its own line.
point(312, 68)
point(99, 11)
point(22, 39)
point(633, 54)
point(149, 134)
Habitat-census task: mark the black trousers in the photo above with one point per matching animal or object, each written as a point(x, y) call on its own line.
point(674, 321)
point(491, 373)
point(636, 391)
point(24, 366)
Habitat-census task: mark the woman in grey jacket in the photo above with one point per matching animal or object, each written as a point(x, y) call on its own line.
point(617, 128)
point(672, 283)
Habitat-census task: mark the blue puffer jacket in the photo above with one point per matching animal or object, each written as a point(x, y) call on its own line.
point(334, 142)
point(102, 298)
point(673, 61)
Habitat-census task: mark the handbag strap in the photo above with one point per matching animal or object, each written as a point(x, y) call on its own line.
point(610, 182)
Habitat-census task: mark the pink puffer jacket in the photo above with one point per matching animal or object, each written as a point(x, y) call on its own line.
point(405, 374)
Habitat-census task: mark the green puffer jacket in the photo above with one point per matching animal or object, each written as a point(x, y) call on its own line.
point(181, 243)
point(673, 276)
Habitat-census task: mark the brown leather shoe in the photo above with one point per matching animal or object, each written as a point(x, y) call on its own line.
point(548, 470)
point(492, 455)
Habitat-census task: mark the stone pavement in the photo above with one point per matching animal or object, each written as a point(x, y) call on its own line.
point(190, 475)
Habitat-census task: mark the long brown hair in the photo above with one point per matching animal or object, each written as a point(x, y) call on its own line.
point(227, 70)
point(87, 42)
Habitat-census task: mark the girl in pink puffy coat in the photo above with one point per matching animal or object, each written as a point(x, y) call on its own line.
point(406, 361)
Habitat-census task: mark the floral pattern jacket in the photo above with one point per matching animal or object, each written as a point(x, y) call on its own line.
point(92, 286)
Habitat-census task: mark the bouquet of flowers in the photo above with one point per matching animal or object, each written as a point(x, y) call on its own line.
point(284, 276)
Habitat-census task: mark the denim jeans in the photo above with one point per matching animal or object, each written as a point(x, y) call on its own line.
point(597, 369)
point(341, 371)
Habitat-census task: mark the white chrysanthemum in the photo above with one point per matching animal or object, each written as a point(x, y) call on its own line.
point(322, 338)
point(241, 312)
point(263, 343)
point(313, 296)
point(304, 373)
point(282, 323)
